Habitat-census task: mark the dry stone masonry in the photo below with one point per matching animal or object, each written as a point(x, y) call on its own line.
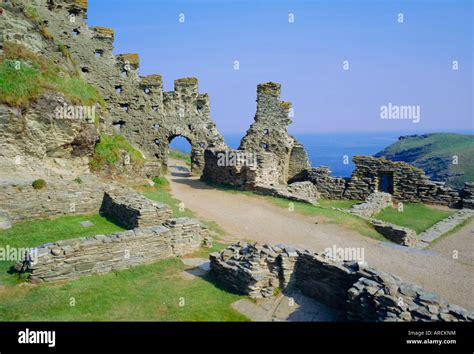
point(363, 293)
point(71, 259)
point(138, 108)
point(374, 204)
point(132, 211)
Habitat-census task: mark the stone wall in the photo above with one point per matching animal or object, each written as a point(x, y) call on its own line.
point(374, 204)
point(240, 174)
point(85, 195)
point(252, 270)
point(395, 233)
point(138, 108)
point(362, 292)
point(328, 187)
point(410, 184)
point(468, 195)
point(133, 210)
point(59, 197)
point(269, 133)
point(71, 259)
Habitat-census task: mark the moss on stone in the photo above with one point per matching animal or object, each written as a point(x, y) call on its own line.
point(39, 184)
point(104, 31)
point(285, 104)
point(131, 58)
point(186, 81)
point(81, 3)
point(269, 87)
point(154, 79)
point(108, 151)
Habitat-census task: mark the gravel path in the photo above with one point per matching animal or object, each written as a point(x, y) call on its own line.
point(252, 218)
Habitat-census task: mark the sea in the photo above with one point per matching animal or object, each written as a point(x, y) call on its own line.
point(334, 150)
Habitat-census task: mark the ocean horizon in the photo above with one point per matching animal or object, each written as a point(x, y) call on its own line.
point(334, 150)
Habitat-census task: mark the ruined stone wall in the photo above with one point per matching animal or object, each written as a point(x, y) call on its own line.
point(468, 195)
point(23, 202)
point(263, 170)
point(90, 195)
point(362, 292)
point(138, 108)
point(327, 186)
point(71, 259)
point(410, 184)
point(269, 133)
point(132, 210)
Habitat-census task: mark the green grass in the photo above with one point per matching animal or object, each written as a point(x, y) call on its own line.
point(143, 293)
point(323, 210)
point(434, 153)
point(342, 204)
point(418, 217)
point(38, 232)
point(180, 155)
point(107, 152)
point(24, 76)
point(160, 192)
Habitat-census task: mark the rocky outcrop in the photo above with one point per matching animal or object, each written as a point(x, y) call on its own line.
point(138, 108)
point(71, 259)
point(361, 292)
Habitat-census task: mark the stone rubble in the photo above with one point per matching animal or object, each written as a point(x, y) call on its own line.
point(361, 292)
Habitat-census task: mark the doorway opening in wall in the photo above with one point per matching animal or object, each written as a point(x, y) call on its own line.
point(386, 182)
point(179, 156)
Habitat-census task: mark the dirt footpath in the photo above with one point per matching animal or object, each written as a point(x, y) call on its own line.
point(252, 218)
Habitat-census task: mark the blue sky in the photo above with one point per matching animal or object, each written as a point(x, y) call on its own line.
point(407, 63)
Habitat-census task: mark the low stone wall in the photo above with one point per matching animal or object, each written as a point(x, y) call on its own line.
point(298, 191)
point(252, 270)
point(410, 184)
point(443, 226)
point(328, 187)
point(59, 197)
point(231, 167)
point(397, 234)
point(364, 293)
point(468, 195)
point(132, 210)
point(71, 259)
point(374, 204)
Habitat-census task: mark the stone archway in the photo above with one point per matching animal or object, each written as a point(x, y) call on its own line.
point(197, 153)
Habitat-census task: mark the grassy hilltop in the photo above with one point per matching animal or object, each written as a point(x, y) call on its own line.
point(435, 154)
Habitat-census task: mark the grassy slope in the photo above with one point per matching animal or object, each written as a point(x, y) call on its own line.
point(107, 152)
point(146, 293)
point(24, 76)
point(177, 154)
point(434, 154)
point(418, 217)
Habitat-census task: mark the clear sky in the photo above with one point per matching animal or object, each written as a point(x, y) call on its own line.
point(408, 63)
